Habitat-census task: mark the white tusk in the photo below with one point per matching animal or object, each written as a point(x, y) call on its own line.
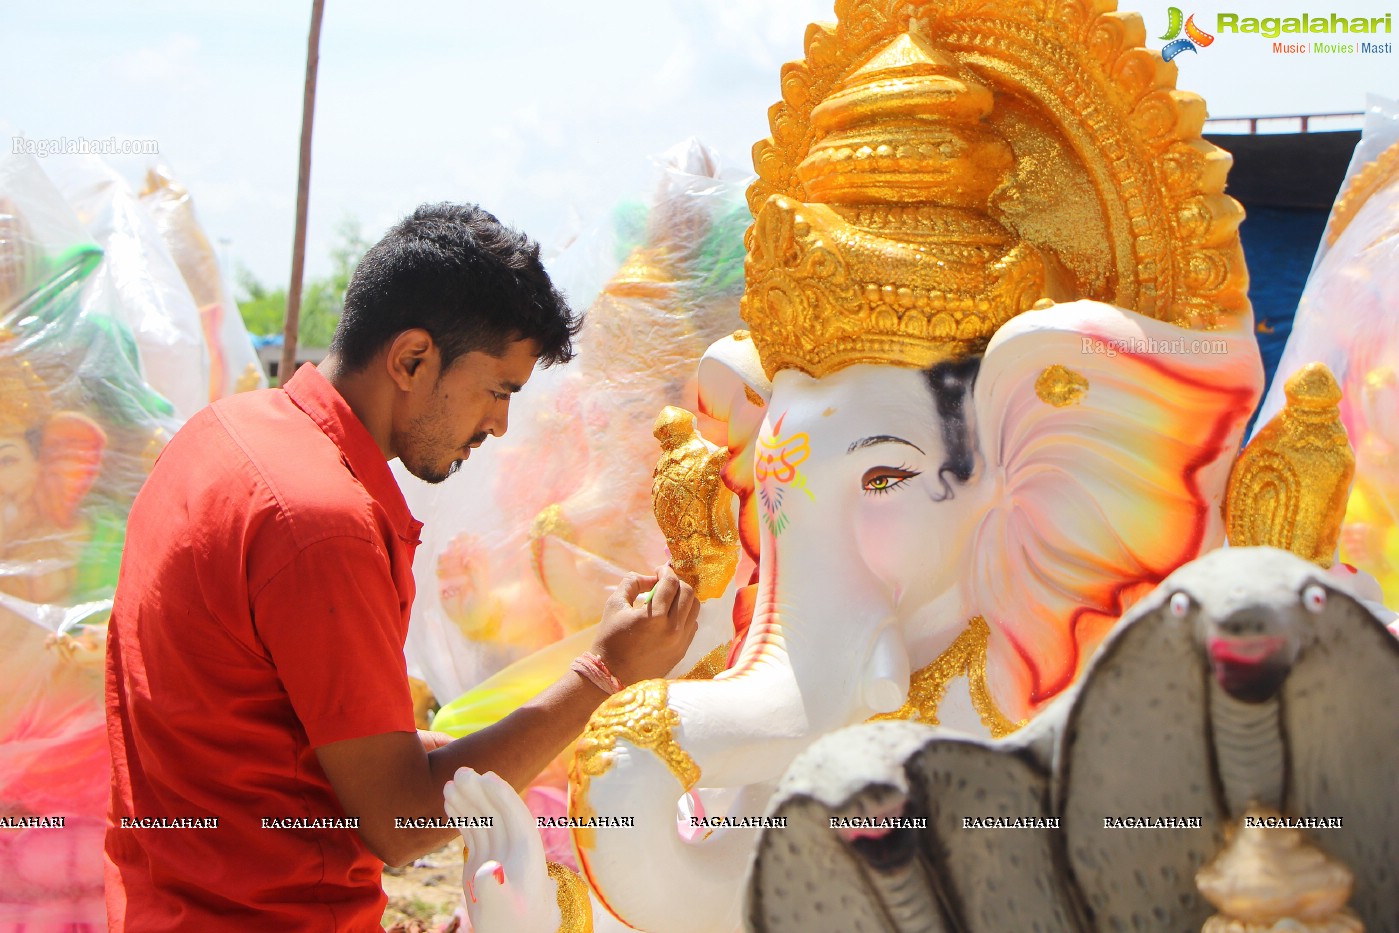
point(886, 684)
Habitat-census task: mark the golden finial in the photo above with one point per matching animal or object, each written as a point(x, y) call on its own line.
point(693, 506)
point(1289, 487)
point(936, 168)
point(1270, 877)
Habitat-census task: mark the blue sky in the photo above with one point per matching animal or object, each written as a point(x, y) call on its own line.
point(547, 113)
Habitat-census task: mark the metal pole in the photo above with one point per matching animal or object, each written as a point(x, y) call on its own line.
point(303, 192)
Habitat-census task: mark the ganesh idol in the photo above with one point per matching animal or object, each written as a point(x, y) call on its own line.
point(997, 366)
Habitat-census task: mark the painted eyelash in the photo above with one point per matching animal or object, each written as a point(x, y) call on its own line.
point(898, 481)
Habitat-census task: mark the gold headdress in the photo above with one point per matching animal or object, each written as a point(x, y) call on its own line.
point(936, 168)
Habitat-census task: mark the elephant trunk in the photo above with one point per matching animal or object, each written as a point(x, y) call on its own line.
point(649, 745)
point(1250, 751)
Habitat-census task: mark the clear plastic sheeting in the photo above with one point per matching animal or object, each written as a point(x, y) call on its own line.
point(233, 363)
point(1348, 319)
point(79, 431)
point(139, 282)
point(523, 548)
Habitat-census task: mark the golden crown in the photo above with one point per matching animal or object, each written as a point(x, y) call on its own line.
point(937, 168)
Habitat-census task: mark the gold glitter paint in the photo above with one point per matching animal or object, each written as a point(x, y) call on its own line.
point(641, 715)
point(965, 656)
point(575, 907)
point(1060, 386)
point(693, 506)
point(712, 664)
point(1289, 487)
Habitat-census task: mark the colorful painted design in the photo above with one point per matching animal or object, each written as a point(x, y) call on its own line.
point(776, 468)
point(1194, 39)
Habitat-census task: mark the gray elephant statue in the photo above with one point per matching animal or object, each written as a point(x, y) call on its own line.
point(1247, 698)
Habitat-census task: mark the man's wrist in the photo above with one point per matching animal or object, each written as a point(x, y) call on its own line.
point(592, 668)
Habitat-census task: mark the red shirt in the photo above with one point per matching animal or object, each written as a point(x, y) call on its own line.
point(261, 612)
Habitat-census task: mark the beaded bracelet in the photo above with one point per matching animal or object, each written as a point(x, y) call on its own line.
point(595, 671)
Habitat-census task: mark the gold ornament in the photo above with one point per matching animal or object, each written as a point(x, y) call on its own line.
point(575, 907)
point(693, 506)
point(424, 703)
point(965, 656)
point(249, 380)
point(24, 398)
point(712, 664)
point(1060, 386)
point(1289, 487)
point(1268, 879)
point(641, 715)
point(936, 168)
point(1374, 176)
point(85, 647)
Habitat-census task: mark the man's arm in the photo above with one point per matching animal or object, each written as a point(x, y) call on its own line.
point(380, 778)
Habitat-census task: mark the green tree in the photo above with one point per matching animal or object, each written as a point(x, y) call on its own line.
point(322, 299)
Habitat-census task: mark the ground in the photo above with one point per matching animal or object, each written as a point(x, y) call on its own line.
point(424, 895)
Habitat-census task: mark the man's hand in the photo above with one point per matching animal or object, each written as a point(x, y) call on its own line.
point(378, 778)
point(641, 640)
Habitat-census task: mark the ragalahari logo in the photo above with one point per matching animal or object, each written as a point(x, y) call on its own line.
point(1194, 39)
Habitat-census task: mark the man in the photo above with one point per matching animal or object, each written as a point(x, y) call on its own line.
point(255, 670)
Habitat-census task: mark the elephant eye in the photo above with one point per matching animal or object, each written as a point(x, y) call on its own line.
point(882, 479)
point(1180, 605)
point(1314, 598)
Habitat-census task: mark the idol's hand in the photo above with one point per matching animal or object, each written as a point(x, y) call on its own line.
point(506, 880)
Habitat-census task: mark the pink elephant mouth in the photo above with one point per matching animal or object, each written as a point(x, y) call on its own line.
point(1245, 650)
point(1250, 668)
point(882, 848)
point(872, 830)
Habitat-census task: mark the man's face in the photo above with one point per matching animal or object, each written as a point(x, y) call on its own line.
point(468, 403)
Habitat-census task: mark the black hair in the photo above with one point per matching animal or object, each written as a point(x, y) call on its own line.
point(460, 274)
point(951, 384)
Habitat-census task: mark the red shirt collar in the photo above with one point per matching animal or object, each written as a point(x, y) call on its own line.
point(313, 394)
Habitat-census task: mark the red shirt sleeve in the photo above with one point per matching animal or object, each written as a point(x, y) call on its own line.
point(332, 623)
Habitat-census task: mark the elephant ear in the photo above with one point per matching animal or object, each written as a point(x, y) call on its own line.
point(1110, 437)
point(70, 456)
point(991, 780)
point(1340, 707)
point(1137, 745)
point(734, 390)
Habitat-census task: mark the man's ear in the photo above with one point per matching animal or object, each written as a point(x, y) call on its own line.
point(412, 357)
